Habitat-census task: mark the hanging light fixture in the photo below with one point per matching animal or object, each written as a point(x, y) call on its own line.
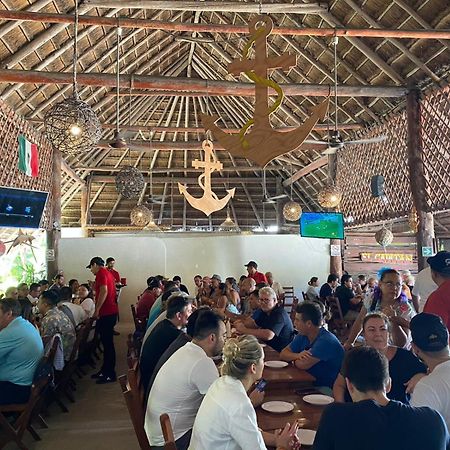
point(72, 126)
point(140, 216)
point(151, 225)
point(228, 224)
point(330, 196)
point(292, 210)
point(384, 237)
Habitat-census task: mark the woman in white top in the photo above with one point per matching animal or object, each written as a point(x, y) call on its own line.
point(312, 293)
point(226, 419)
point(84, 299)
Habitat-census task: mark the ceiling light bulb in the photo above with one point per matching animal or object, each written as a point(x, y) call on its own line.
point(75, 130)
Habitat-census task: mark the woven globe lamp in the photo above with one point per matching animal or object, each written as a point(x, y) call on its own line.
point(129, 182)
point(151, 225)
point(140, 216)
point(292, 211)
point(384, 237)
point(72, 126)
point(330, 196)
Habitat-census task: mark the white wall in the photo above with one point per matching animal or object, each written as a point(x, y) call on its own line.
point(292, 259)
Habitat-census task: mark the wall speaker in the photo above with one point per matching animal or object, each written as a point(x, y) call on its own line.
point(377, 186)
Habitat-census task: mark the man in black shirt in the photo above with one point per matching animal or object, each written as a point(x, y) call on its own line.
point(178, 311)
point(327, 289)
point(272, 323)
point(347, 299)
point(374, 422)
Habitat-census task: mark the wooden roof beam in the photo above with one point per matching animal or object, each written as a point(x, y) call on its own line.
point(318, 163)
point(126, 22)
point(194, 181)
point(187, 84)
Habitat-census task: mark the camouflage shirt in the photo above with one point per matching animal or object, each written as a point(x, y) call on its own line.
point(54, 322)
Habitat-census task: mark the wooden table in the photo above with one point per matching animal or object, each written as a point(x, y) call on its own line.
point(284, 378)
point(307, 415)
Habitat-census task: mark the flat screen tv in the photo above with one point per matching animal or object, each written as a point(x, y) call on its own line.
point(20, 208)
point(327, 225)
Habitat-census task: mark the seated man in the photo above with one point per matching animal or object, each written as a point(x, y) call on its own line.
point(177, 280)
point(347, 299)
point(74, 312)
point(34, 293)
point(430, 344)
point(54, 321)
point(327, 289)
point(20, 352)
point(372, 421)
point(315, 349)
point(275, 286)
point(25, 303)
point(157, 307)
point(248, 285)
point(272, 324)
point(183, 380)
point(179, 309)
point(148, 298)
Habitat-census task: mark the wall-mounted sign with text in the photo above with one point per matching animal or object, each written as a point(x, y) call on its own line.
point(399, 258)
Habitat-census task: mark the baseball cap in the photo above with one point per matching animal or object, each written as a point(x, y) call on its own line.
point(216, 277)
point(440, 262)
point(251, 264)
point(429, 332)
point(96, 260)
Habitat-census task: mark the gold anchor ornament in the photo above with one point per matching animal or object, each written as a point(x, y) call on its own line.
point(209, 202)
point(257, 140)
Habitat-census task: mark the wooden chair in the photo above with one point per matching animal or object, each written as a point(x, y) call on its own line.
point(337, 324)
point(305, 298)
point(166, 427)
point(139, 324)
point(136, 416)
point(289, 296)
point(294, 309)
point(22, 413)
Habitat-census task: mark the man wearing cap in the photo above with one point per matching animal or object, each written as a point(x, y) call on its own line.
point(148, 298)
point(430, 344)
point(253, 273)
point(439, 301)
point(106, 311)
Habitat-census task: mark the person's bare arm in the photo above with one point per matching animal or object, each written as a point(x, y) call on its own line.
point(102, 293)
point(339, 389)
point(260, 333)
point(288, 355)
point(306, 361)
point(356, 328)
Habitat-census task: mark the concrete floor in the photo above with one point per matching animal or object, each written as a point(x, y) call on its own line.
point(97, 420)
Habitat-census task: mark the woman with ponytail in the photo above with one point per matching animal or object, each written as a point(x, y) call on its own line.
point(226, 419)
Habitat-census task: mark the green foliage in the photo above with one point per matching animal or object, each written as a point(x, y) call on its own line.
point(26, 270)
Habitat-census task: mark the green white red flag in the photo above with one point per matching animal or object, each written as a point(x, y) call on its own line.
point(28, 157)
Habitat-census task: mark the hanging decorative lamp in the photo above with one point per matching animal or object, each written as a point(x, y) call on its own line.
point(330, 196)
point(72, 126)
point(140, 216)
point(151, 225)
point(384, 237)
point(292, 211)
point(228, 224)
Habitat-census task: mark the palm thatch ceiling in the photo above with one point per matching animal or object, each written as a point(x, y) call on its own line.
point(166, 125)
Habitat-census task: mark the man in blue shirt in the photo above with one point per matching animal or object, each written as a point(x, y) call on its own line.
point(315, 349)
point(21, 350)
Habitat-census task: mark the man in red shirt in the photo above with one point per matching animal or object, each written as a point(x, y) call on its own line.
point(439, 301)
point(106, 311)
point(253, 273)
point(110, 266)
point(148, 297)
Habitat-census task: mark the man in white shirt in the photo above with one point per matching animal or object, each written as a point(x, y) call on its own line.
point(34, 293)
point(183, 380)
point(74, 312)
point(430, 344)
point(423, 287)
point(275, 286)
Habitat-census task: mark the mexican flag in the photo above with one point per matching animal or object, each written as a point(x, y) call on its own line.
point(28, 157)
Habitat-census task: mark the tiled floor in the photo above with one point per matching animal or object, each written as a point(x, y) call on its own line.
point(98, 420)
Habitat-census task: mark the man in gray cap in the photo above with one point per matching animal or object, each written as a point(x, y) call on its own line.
point(439, 301)
point(430, 344)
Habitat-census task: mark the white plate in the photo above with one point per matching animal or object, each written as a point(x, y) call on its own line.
point(277, 407)
point(318, 399)
point(305, 436)
point(276, 364)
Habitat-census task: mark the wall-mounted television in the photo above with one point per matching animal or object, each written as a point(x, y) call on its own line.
point(327, 225)
point(21, 208)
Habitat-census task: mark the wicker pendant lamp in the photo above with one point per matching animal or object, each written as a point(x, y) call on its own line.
point(292, 210)
point(72, 126)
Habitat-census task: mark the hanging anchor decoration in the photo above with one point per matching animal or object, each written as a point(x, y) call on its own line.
point(209, 202)
point(257, 140)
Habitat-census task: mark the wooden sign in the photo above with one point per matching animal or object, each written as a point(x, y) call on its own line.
point(209, 202)
point(258, 141)
point(393, 258)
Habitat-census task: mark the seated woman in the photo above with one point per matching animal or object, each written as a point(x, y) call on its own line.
point(226, 304)
point(313, 290)
point(403, 364)
point(226, 418)
point(389, 299)
point(84, 299)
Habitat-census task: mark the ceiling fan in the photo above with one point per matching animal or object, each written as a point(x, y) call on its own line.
point(266, 198)
point(335, 141)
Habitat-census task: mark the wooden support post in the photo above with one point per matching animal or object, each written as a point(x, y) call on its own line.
point(84, 208)
point(425, 232)
point(54, 235)
point(335, 261)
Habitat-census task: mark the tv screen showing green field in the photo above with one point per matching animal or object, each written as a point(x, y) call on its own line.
point(322, 225)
